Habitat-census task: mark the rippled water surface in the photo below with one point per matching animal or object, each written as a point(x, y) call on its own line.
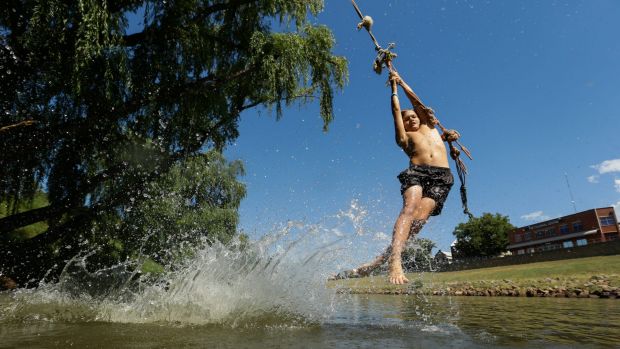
point(353, 322)
point(273, 294)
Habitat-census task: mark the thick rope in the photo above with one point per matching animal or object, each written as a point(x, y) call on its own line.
point(452, 136)
point(366, 23)
point(384, 57)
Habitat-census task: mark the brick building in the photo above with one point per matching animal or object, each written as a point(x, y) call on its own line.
point(583, 228)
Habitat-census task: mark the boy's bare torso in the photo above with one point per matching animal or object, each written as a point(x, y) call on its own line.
point(425, 147)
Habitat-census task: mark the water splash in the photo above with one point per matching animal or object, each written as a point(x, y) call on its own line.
point(276, 278)
point(280, 279)
point(356, 214)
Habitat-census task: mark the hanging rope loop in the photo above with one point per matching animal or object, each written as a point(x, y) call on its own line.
point(454, 153)
point(450, 135)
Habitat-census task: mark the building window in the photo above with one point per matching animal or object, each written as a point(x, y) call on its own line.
point(567, 244)
point(582, 242)
point(551, 232)
point(517, 237)
point(564, 229)
point(531, 250)
point(612, 236)
point(609, 220)
point(577, 227)
point(540, 234)
point(521, 251)
point(527, 236)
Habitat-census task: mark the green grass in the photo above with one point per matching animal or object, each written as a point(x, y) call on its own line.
point(578, 269)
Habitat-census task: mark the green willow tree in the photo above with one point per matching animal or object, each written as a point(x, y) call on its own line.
point(117, 109)
point(484, 236)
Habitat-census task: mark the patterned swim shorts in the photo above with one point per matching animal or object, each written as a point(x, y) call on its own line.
point(435, 182)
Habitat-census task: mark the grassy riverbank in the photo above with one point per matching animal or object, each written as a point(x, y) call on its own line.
point(580, 277)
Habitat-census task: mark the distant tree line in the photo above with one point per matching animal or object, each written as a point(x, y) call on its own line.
point(112, 140)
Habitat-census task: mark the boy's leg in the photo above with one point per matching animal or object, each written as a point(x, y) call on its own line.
point(400, 233)
point(410, 222)
point(414, 214)
point(421, 214)
point(368, 268)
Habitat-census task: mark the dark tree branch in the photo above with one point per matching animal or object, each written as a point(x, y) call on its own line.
point(23, 219)
point(137, 38)
point(231, 5)
point(263, 101)
point(210, 81)
point(17, 125)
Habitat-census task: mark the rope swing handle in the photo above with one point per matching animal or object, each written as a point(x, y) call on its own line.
point(384, 55)
point(384, 58)
point(366, 23)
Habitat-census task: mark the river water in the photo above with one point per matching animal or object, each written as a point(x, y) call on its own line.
point(354, 321)
point(272, 293)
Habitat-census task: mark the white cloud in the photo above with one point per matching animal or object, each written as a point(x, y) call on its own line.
point(607, 166)
point(617, 208)
point(535, 216)
point(617, 185)
point(593, 179)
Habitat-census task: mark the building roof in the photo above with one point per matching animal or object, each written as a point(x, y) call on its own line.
point(555, 238)
point(552, 221)
point(446, 254)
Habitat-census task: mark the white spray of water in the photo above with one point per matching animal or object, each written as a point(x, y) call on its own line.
point(278, 279)
point(275, 277)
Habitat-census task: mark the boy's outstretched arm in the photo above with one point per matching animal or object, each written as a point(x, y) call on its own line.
point(415, 100)
point(399, 126)
point(424, 112)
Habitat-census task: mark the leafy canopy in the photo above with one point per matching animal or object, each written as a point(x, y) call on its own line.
point(483, 236)
point(101, 99)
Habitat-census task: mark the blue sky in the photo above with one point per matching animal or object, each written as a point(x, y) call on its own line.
point(533, 87)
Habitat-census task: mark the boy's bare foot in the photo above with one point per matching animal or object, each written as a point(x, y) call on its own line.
point(398, 279)
point(396, 275)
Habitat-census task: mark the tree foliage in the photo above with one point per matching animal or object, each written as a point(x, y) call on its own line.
point(484, 236)
point(417, 255)
point(195, 199)
point(109, 106)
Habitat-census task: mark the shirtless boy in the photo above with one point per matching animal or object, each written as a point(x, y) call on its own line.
point(424, 185)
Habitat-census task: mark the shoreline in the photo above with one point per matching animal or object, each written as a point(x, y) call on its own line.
point(589, 277)
point(597, 286)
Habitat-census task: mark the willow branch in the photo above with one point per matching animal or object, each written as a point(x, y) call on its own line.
point(137, 38)
point(263, 101)
point(17, 125)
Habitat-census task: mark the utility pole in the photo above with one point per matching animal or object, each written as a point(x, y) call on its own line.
point(570, 192)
